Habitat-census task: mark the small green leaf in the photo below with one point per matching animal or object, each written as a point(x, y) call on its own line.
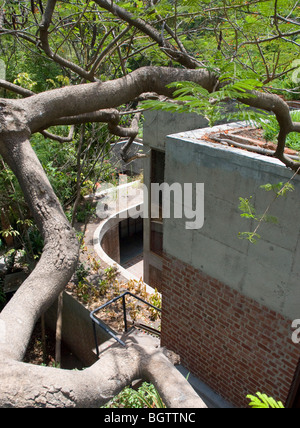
point(250, 236)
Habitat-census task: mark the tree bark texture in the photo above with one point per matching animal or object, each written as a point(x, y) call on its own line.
point(25, 385)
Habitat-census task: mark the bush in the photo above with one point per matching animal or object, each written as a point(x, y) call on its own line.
point(145, 397)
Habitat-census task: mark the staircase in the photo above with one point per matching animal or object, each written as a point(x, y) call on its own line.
point(137, 334)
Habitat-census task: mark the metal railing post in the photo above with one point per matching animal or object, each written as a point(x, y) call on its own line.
point(96, 339)
point(124, 314)
point(106, 328)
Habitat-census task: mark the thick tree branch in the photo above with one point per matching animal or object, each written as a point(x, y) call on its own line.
point(273, 103)
point(16, 89)
point(48, 107)
point(60, 254)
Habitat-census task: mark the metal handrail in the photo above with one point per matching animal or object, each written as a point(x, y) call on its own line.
point(105, 327)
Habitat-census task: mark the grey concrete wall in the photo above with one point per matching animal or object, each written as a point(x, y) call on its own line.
point(268, 271)
point(77, 329)
point(157, 126)
point(135, 166)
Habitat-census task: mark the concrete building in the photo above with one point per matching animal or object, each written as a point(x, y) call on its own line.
point(228, 305)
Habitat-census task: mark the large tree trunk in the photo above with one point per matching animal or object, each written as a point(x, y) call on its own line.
point(23, 384)
point(60, 252)
point(26, 385)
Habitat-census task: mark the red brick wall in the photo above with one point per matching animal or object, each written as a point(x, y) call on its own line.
point(232, 343)
point(155, 278)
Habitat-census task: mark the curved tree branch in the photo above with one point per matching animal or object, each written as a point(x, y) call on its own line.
point(273, 103)
point(16, 89)
point(60, 253)
point(59, 138)
point(47, 107)
point(24, 385)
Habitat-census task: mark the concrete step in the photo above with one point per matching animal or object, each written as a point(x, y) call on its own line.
point(135, 336)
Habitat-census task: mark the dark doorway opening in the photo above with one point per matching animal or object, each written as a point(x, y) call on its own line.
point(131, 239)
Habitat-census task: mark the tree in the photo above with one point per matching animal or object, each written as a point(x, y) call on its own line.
point(104, 39)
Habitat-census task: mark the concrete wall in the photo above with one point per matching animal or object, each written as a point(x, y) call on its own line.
point(228, 304)
point(268, 271)
point(157, 126)
point(234, 301)
point(77, 329)
point(135, 166)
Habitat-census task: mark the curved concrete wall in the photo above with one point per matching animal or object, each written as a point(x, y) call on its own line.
point(104, 228)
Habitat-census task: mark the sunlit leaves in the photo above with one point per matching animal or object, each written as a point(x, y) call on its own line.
point(192, 98)
point(262, 401)
point(249, 211)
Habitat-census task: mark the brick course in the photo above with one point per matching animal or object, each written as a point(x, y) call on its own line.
point(234, 344)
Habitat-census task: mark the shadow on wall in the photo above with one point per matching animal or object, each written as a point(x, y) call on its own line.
point(119, 238)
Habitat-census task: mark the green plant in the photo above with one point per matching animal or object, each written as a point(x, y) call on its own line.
point(145, 397)
point(262, 401)
point(149, 396)
point(249, 211)
point(110, 272)
point(155, 300)
point(103, 286)
point(82, 291)
point(81, 272)
point(84, 212)
point(271, 130)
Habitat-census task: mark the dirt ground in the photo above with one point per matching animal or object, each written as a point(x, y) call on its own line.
point(94, 284)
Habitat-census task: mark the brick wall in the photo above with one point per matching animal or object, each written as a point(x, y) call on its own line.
point(232, 343)
point(155, 278)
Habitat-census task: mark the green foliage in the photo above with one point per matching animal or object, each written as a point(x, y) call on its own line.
point(252, 237)
point(271, 130)
point(280, 188)
point(58, 161)
point(155, 300)
point(84, 212)
point(262, 401)
point(145, 397)
point(192, 98)
point(81, 272)
point(249, 211)
point(9, 232)
point(247, 208)
point(24, 80)
point(59, 81)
